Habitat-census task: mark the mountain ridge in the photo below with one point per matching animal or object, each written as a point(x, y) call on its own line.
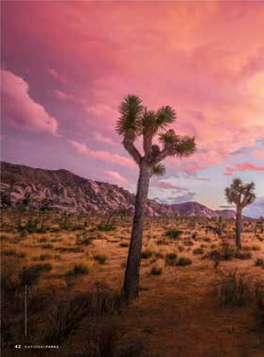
point(67, 191)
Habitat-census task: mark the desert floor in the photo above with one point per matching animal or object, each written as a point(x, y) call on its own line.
point(182, 310)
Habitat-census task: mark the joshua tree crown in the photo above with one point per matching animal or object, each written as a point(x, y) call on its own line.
point(137, 120)
point(240, 194)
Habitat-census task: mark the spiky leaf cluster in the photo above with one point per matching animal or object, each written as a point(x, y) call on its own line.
point(136, 120)
point(240, 193)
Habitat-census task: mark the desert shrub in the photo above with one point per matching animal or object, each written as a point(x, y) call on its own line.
point(227, 252)
point(79, 269)
point(13, 253)
point(194, 235)
point(3, 237)
point(70, 250)
point(156, 270)
point(31, 275)
point(159, 255)
point(255, 248)
point(259, 238)
point(31, 226)
point(246, 248)
point(8, 283)
point(55, 240)
point(100, 258)
point(9, 253)
point(77, 227)
point(234, 289)
point(259, 297)
point(207, 240)
point(188, 243)
point(147, 253)
point(47, 246)
point(43, 257)
point(162, 242)
point(180, 248)
point(183, 261)
point(259, 262)
point(243, 256)
point(67, 314)
point(170, 259)
point(105, 228)
point(43, 240)
point(84, 241)
point(173, 233)
point(124, 244)
point(198, 251)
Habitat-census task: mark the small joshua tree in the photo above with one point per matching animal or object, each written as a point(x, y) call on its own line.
point(135, 121)
point(45, 207)
point(241, 195)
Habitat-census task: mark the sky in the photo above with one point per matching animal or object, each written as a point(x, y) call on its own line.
point(67, 65)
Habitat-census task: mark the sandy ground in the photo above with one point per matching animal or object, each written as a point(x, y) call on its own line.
point(177, 313)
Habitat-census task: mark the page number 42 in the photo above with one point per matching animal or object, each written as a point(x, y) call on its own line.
point(17, 346)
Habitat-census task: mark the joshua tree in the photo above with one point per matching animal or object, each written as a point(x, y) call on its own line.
point(135, 121)
point(241, 195)
point(45, 207)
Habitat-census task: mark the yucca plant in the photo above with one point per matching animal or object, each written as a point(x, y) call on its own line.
point(135, 121)
point(241, 195)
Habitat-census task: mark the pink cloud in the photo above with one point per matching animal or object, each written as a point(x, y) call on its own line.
point(115, 177)
point(246, 166)
point(56, 75)
point(167, 185)
point(19, 110)
point(102, 155)
point(214, 82)
point(103, 139)
point(259, 154)
point(64, 96)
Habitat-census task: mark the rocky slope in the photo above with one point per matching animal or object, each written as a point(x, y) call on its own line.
point(65, 191)
point(196, 209)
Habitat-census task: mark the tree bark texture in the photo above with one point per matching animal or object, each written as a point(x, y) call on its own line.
point(131, 283)
point(238, 227)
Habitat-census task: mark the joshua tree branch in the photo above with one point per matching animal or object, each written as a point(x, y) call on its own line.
point(161, 156)
point(128, 143)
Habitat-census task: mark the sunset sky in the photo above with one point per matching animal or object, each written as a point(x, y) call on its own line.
point(66, 66)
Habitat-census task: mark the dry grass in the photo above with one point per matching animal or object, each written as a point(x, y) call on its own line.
point(174, 286)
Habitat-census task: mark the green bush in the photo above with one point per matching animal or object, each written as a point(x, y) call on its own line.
point(79, 269)
point(259, 262)
point(156, 270)
point(183, 261)
point(105, 228)
point(31, 275)
point(173, 233)
point(170, 259)
point(147, 253)
point(124, 244)
point(243, 256)
point(101, 258)
point(198, 251)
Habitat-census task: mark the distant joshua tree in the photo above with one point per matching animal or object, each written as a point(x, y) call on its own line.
point(241, 195)
point(135, 121)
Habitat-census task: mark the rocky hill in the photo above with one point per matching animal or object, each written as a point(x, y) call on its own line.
point(66, 191)
point(196, 209)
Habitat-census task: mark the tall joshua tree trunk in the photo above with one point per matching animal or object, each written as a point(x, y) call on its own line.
point(238, 227)
point(135, 121)
point(131, 283)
